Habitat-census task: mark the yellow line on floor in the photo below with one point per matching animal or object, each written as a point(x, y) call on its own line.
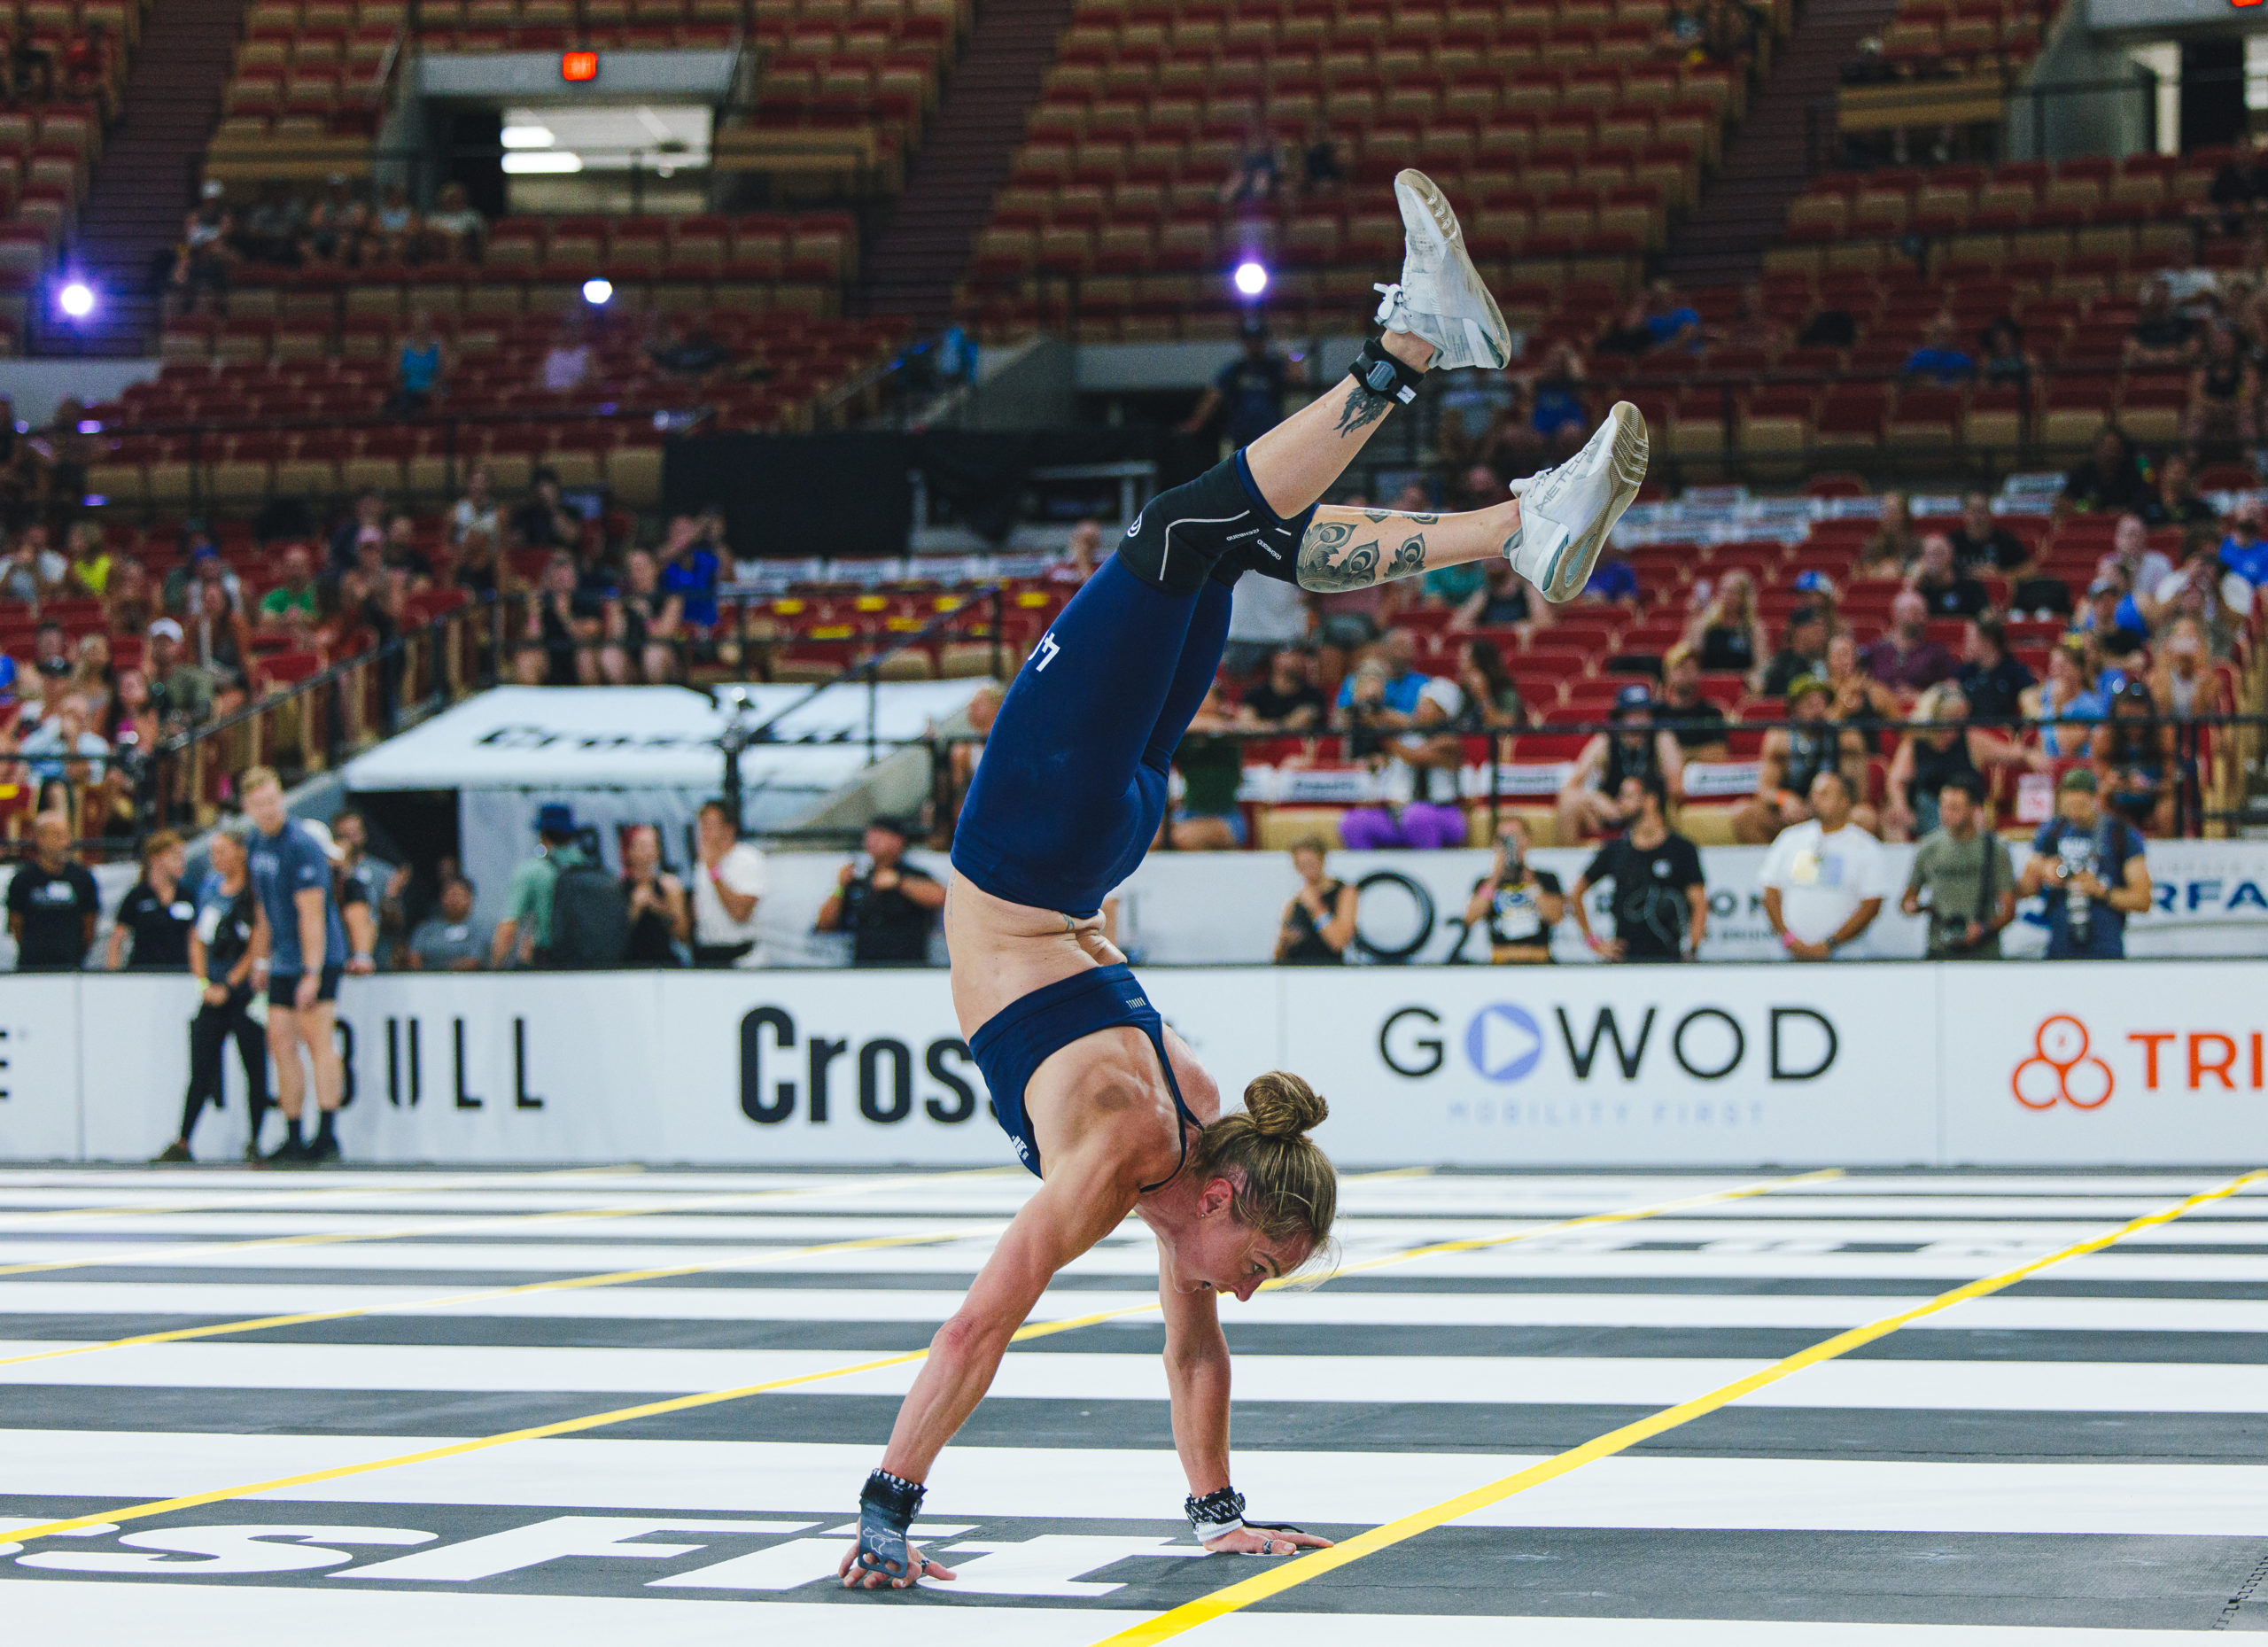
point(682, 1403)
point(457, 1225)
point(1274, 1580)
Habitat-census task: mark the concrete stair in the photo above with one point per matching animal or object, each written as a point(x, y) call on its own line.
point(924, 240)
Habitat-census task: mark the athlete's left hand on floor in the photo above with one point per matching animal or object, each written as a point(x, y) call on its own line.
point(874, 1578)
point(1258, 1541)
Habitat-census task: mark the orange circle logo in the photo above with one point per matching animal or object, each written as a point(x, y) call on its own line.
point(2061, 1070)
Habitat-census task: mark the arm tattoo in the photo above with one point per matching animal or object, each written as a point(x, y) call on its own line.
point(1408, 559)
point(1331, 562)
point(1362, 409)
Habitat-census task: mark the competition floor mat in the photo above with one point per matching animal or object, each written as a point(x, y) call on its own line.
point(607, 1406)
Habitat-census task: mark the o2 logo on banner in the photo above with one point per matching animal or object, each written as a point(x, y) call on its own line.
point(2063, 1069)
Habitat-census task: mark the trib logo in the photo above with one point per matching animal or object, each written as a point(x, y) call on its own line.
point(2061, 1070)
point(2065, 1068)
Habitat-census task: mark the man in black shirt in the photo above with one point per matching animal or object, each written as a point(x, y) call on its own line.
point(51, 902)
point(1803, 652)
point(1982, 544)
point(1948, 591)
point(889, 911)
point(1250, 388)
point(546, 521)
point(1661, 898)
point(1288, 700)
point(1992, 681)
point(1692, 717)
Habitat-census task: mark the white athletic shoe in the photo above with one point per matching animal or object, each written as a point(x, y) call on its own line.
point(1567, 511)
point(1440, 297)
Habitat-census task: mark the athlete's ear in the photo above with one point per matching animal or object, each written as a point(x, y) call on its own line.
point(1217, 1196)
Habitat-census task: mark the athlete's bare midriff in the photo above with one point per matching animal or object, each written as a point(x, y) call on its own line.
point(1001, 952)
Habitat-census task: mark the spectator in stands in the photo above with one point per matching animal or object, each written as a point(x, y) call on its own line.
point(420, 368)
point(1753, 325)
point(642, 626)
point(91, 560)
point(404, 553)
point(1515, 903)
point(1661, 897)
point(567, 363)
point(2224, 391)
point(453, 229)
point(1953, 746)
point(295, 590)
point(130, 604)
point(1793, 755)
point(23, 579)
point(1288, 700)
point(1320, 171)
point(220, 645)
point(727, 883)
point(1904, 659)
point(1256, 173)
point(2162, 339)
point(2105, 616)
point(1991, 677)
point(1982, 544)
point(2141, 568)
point(2113, 478)
point(451, 939)
point(2181, 682)
point(1613, 581)
point(547, 521)
point(336, 224)
point(395, 232)
point(2087, 868)
point(206, 253)
point(93, 676)
point(1946, 590)
point(691, 568)
point(1082, 554)
point(1416, 757)
point(370, 515)
point(1694, 718)
point(1594, 798)
point(1265, 615)
point(50, 652)
point(558, 641)
point(1894, 546)
point(158, 914)
point(86, 63)
point(180, 692)
point(2005, 361)
point(661, 915)
point(1492, 701)
point(474, 566)
point(2070, 695)
point(1671, 321)
point(687, 349)
point(66, 745)
point(1803, 652)
point(476, 510)
point(1395, 707)
point(2133, 757)
point(1725, 628)
point(1941, 359)
point(369, 892)
point(200, 564)
point(1968, 877)
point(272, 231)
point(2178, 503)
point(52, 904)
point(1211, 766)
point(1502, 601)
point(1629, 334)
point(1250, 389)
point(2243, 550)
point(1318, 920)
point(522, 938)
point(888, 906)
point(1824, 879)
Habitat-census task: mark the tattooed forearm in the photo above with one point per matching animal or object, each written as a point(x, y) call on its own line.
point(1361, 408)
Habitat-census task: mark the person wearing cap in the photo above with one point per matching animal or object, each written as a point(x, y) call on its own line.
point(1591, 802)
point(299, 953)
point(181, 692)
point(1803, 649)
point(1694, 719)
point(888, 905)
point(525, 931)
point(2101, 616)
point(1793, 756)
point(1250, 388)
point(2133, 757)
point(2088, 870)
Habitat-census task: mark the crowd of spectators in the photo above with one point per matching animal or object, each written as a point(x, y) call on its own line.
point(341, 225)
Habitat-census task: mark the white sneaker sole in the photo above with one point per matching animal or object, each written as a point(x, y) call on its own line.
point(1490, 343)
point(1571, 567)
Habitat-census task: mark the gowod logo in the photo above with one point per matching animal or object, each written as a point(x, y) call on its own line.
point(1505, 1043)
point(2063, 1069)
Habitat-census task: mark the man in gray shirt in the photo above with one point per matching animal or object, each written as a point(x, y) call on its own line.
point(1965, 870)
point(449, 939)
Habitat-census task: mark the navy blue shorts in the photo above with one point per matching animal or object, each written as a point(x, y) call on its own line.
point(1023, 1035)
point(284, 987)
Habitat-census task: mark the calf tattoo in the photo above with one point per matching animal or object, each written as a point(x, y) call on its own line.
point(1361, 408)
point(1331, 562)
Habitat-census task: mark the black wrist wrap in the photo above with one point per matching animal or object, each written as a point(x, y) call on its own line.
point(1406, 381)
point(887, 1506)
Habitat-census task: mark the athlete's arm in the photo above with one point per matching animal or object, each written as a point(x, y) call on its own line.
point(1196, 1376)
point(307, 903)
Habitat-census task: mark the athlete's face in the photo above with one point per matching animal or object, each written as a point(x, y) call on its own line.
point(1220, 1254)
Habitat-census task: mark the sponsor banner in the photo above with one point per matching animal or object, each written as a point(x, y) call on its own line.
point(1516, 1065)
point(39, 1068)
point(2082, 1065)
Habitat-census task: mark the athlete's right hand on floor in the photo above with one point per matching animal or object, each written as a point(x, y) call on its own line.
point(918, 1566)
point(1260, 1540)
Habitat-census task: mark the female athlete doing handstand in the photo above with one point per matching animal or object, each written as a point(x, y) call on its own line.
point(1110, 1107)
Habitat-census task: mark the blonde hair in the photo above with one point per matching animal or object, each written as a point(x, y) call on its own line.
point(1286, 1186)
point(163, 840)
point(257, 778)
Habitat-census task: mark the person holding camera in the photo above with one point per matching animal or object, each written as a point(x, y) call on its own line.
point(1963, 876)
point(890, 908)
point(1518, 904)
point(2087, 869)
point(661, 915)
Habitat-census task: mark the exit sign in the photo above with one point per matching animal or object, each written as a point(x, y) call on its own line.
point(578, 66)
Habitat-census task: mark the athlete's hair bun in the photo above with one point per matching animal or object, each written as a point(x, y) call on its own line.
point(1282, 1106)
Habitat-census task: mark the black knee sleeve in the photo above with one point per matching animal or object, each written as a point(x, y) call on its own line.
point(1214, 526)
